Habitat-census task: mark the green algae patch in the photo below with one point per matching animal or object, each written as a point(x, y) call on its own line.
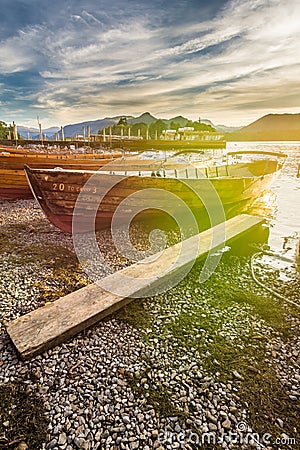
point(230, 324)
point(22, 418)
point(158, 398)
point(62, 281)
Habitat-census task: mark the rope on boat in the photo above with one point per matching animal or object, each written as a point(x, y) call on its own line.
point(276, 294)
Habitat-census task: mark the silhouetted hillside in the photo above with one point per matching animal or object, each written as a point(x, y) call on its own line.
point(71, 130)
point(272, 127)
point(96, 125)
point(146, 118)
point(274, 122)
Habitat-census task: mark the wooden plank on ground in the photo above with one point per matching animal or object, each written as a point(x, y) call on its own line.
point(52, 324)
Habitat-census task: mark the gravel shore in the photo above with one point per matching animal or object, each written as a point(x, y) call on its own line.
point(200, 366)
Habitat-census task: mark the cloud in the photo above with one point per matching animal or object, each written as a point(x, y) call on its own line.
point(219, 60)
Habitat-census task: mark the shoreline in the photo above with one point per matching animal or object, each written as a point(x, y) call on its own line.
point(198, 360)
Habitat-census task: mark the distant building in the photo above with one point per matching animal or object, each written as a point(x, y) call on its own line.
point(170, 135)
point(189, 134)
point(185, 129)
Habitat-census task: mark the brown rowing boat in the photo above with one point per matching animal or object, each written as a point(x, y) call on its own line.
point(13, 181)
point(91, 198)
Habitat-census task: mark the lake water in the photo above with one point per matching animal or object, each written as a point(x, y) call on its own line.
point(281, 204)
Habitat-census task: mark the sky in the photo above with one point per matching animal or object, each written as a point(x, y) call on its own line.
point(69, 61)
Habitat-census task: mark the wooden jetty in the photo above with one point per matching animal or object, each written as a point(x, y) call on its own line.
point(112, 142)
point(52, 324)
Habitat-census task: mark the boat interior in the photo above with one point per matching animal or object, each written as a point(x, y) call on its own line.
point(193, 165)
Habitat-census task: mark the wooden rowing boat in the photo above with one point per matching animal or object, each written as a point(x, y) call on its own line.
point(13, 181)
point(99, 193)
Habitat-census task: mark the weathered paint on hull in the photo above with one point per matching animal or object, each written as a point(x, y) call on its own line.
point(13, 193)
point(13, 181)
point(57, 192)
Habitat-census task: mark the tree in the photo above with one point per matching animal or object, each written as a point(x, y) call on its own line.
point(157, 128)
point(190, 124)
point(4, 129)
point(115, 129)
point(123, 121)
point(203, 127)
point(175, 125)
point(198, 126)
point(139, 126)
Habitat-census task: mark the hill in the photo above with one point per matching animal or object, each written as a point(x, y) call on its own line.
point(226, 129)
point(178, 119)
point(34, 132)
point(274, 122)
point(272, 127)
point(147, 118)
point(96, 125)
point(74, 129)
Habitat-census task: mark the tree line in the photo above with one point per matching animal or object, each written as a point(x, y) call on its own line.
point(154, 130)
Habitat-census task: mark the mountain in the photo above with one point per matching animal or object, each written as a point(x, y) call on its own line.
point(25, 130)
point(274, 122)
point(96, 125)
point(178, 119)
point(272, 127)
point(208, 122)
point(99, 124)
point(220, 128)
point(35, 133)
point(146, 118)
point(52, 130)
point(225, 129)
point(74, 129)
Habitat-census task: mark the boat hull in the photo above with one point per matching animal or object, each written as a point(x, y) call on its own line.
point(13, 181)
point(102, 193)
point(13, 193)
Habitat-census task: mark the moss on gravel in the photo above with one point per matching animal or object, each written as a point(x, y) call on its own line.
point(21, 418)
point(206, 308)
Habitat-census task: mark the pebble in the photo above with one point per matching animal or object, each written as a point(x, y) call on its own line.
point(280, 422)
point(211, 418)
point(84, 383)
point(62, 439)
point(238, 376)
point(226, 424)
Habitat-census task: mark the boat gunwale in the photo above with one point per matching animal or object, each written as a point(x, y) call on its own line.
point(140, 173)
